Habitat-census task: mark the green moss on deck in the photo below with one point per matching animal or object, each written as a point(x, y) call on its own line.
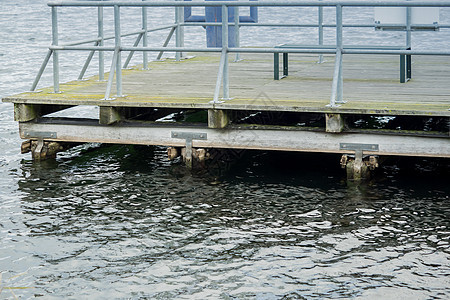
point(370, 86)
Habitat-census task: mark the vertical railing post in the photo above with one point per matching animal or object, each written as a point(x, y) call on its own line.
point(117, 50)
point(236, 30)
point(55, 52)
point(145, 39)
point(179, 11)
point(337, 86)
point(101, 54)
point(226, 93)
point(339, 42)
point(407, 69)
point(320, 17)
point(408, 27)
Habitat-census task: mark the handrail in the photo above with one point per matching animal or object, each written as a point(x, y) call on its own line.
point(111, 37)
point(359, 3)
point(223, 76)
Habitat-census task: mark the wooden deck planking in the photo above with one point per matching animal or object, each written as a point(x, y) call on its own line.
point(371, 86)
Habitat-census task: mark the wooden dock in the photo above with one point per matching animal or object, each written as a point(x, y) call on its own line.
point(371, 89)
point(371, 86)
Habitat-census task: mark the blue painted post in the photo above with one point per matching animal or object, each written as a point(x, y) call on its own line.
point(214, 33)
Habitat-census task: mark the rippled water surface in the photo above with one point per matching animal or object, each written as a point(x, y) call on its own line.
point(108, 221)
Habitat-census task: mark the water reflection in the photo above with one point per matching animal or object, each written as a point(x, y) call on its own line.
point(275, 226)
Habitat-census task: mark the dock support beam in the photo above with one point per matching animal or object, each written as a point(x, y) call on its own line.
point(109, 115)
point(87, 131)
point(29, 112)
point(218, 118)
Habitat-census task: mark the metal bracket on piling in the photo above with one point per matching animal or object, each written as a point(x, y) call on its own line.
point(358, 169)
point(189, 137)
point(358, 147)
point(40, 136)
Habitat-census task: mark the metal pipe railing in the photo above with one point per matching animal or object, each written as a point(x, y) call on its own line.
point(313, 25)
point(178, 21)
point(298, 3)
point(101, 39)
point(226, 79)
point(55, 53)
point(237, 32)
point(339, 48)
point(320, 29)
point(317, 50)
point(144, 38)
point(136, 43)
point(223, 72)
point(118, 44)
point(88, 61)
point(100, 48)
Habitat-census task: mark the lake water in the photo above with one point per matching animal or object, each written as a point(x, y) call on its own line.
point(109, 221)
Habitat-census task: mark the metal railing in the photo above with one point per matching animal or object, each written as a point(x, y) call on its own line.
point(223, 70)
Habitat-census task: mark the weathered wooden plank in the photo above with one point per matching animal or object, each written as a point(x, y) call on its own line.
point(29, 112)
point(239, 138)
point(334, 123)
point(110, 115)
point(218, 118)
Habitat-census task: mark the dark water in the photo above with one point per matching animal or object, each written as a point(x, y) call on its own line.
point(123, 222)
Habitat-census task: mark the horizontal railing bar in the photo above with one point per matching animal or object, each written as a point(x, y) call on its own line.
point(276, 24)
point(394, 52)
point(160, 28)
point(81, 42)
point(155, 49)
point(304, 25)
point(343, 25)
point(82, 48)
point(171, 49)
point(281, 50)
point(397, 3)
point(371, 25)
point(111, 37)
point(318, 50)
point(87, 41)
point(187, 49)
